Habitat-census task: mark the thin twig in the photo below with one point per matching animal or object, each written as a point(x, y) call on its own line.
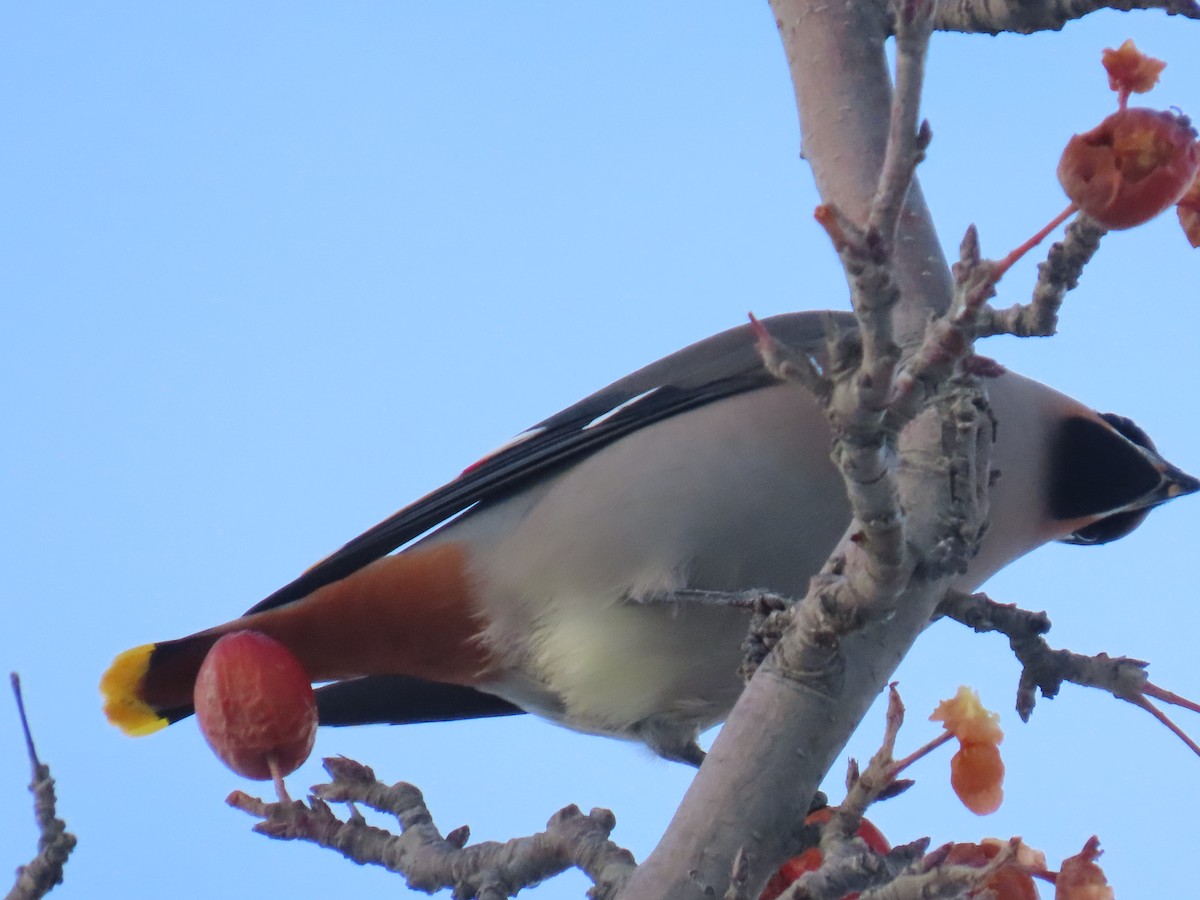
point(55, 843)
point(907, 141)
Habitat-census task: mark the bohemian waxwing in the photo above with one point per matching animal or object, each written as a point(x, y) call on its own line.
point(700, 472)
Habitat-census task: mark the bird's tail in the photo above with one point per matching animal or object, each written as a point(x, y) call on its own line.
point(410, 614)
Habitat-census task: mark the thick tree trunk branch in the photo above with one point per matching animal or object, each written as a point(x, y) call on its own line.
point(843, 94)
point(868, 605)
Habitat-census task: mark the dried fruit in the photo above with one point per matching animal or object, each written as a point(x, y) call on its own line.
point(1011, 881)
point(976, 771)
point(1080, 878)
point(810, 860)
point(977, 776)
point(255, 706)
point(1131, 166)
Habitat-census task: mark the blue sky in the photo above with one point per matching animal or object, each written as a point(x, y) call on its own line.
point(270, 271)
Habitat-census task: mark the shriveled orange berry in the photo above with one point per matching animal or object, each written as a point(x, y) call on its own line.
point(1080, 878)
point(977, 776)
point(1009, 882)
point(1131, 166)
point(255, 705)
point(1130, 71)
point(810, 860)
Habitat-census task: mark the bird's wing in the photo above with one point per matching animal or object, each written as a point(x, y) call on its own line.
point(715, 368)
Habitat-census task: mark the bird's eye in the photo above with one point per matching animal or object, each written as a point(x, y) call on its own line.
point(1129, 429)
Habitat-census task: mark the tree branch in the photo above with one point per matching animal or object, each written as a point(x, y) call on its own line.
point(1029, 16)
point(1043, 667)
point(55, 843)
point(430, 862)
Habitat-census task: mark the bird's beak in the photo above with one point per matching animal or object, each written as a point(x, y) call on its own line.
point(1173, 482)
point(1177, 482)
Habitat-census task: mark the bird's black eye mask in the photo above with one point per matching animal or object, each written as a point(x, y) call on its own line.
point(1094, 469)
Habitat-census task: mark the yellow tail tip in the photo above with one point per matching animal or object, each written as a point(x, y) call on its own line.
point(120, 686)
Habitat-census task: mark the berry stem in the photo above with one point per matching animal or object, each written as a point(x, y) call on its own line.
point(1158, 693)
point(1005, 264)
point(900, 765)
point(1166, 720)
point(277, 777)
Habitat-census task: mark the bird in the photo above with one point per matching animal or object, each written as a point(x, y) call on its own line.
point(564, 574)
